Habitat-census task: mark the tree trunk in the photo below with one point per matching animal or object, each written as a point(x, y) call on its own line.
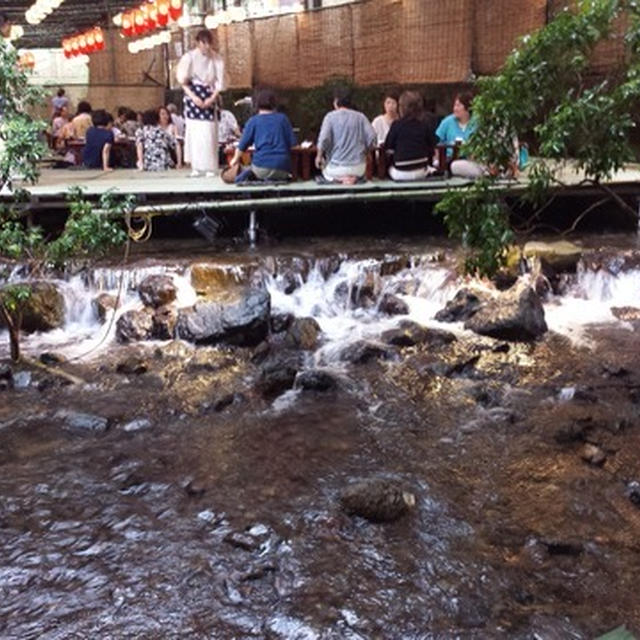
point(14, 340)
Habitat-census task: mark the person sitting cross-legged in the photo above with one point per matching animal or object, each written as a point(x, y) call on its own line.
point(345, 138)
point(271, 134)
point(411, 140)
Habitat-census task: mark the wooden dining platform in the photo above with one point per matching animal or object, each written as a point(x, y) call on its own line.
point(173, 191)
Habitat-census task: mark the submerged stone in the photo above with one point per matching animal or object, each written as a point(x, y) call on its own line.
point(392, 305)
point(363, 351)
point(316, 380)
point(78, 421)
point(378, 500)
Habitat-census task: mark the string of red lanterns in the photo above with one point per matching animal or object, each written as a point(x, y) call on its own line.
point(150, 15)
point(83, 43)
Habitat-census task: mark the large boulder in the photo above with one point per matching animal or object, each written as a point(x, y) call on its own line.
point(44, 310)
point(560, 256)
point(514, 315)
point(134, 325)
point(242, 319)
point(157, 291)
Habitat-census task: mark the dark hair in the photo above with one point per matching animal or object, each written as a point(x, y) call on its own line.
point(150, 117)
point(84, 107)
point(57, 113)
point(204, 35)
point(131, 114)
point(100, 118)
point(390, 94)
point(4, 18)
point(411, 105)
point(266, 99)
point(122, 111)
point(60, 92)
point(342, 97)
point(466, 98)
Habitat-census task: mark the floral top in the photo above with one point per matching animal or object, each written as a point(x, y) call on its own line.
point(156, 148)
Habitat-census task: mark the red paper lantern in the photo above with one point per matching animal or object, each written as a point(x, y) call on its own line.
point(127, 24)
point(99, 37)
point(138, 22)
point(152, 15)
point(75, 46)
point(91, 41)
point(66, 46)
point(163, 12)
point(175, 9)
point(82, 44)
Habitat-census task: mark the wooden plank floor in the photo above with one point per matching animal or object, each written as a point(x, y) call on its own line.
point(174, 185)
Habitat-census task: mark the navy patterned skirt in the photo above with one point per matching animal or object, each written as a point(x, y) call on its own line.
point(196, 113)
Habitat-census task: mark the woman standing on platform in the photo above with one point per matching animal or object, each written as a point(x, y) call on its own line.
point(201, 74)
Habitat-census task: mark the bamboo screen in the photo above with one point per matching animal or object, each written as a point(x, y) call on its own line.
point(325, 45)
point(235, 47)
point(376, 26)
point(498, 25)
point(384, 42)
point(435, 40)
point(276, 60)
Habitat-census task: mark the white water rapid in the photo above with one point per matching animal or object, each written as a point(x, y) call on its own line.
point(345, 302)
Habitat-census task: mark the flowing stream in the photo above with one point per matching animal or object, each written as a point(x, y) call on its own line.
point(190, 504)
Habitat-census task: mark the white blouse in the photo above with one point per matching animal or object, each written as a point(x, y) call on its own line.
point(196, 67)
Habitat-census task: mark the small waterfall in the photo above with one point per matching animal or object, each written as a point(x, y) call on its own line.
point(342, 293)
point(591, 298)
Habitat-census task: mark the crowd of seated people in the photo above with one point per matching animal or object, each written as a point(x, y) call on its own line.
point(405, 136)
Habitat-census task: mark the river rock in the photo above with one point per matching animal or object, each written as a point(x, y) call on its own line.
point(278, 374)
point(44, 309)
point(134, 325)
point(134, 364)
point(378, 500)
point(515, 315)
point(363, 351)
point(315, 380)
point(593, 454)
point(211, 279)
point(157, 291)
point(51, 358)
point(303, 334)
point(410, 333)
point(281, 322)
point(164, 323)
point(392, 305)
point(626, 314)
point(242, 319)
point(102, 304)
point(462, 306)
point(365, 293)
point(78, 421)
point(560, 256)
point(6, 377)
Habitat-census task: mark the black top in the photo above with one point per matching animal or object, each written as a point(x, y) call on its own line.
point(412, 141)
point(95, 140)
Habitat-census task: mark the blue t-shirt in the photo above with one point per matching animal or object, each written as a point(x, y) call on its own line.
point(272, 136)
point(95, 140)
point(449, 130)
